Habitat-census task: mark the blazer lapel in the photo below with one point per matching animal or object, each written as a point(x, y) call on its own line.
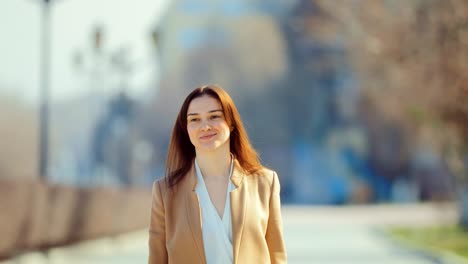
point(194, 214)
point(238, 207)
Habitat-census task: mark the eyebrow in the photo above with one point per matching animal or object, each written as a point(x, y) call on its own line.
point(212, 111)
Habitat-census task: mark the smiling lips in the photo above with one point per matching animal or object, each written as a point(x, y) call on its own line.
point(207, 137)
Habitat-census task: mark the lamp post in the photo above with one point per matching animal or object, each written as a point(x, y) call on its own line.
point(44, 92)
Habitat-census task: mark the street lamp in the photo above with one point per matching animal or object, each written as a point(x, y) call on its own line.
point(44, 92)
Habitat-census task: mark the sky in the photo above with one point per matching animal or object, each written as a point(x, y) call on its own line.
point(126, 22)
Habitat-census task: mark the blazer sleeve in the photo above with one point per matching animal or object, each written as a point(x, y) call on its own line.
point(274, 233)
point(157, 232)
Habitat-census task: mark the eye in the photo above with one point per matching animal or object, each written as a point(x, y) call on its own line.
point(194, 119)
point(215, 116)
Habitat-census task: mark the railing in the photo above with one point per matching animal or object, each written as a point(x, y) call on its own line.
point(35, 215)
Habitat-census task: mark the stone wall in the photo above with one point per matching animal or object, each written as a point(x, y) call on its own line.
point(34, 215)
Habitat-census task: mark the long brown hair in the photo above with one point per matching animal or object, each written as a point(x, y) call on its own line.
point(181, 152)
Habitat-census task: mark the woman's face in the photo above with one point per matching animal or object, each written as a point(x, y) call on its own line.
point(206, 125)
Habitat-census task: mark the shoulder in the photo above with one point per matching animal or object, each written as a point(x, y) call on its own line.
point(264, 183)
point(265, 176)
point(160, 187)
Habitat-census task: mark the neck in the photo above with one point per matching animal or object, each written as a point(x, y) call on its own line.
point(214, 164)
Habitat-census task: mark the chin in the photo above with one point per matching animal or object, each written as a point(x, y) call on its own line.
point(208, 148)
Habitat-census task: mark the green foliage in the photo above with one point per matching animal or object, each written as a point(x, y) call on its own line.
point(446, 238)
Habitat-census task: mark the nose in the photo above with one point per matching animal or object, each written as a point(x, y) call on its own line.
point(205, 126)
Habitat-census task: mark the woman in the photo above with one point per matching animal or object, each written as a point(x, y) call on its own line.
point(217, 203)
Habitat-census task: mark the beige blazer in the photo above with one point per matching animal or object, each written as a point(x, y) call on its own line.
point(175, 234)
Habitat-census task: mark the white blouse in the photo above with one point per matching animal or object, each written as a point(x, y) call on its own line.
point(217, 232)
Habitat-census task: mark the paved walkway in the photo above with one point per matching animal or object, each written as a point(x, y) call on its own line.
point(324, 235)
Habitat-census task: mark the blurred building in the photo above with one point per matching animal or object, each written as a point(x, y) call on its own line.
point(236, 43)
point(18, 138)
point(111, 141)
point(193, 24)
point(319, 102)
